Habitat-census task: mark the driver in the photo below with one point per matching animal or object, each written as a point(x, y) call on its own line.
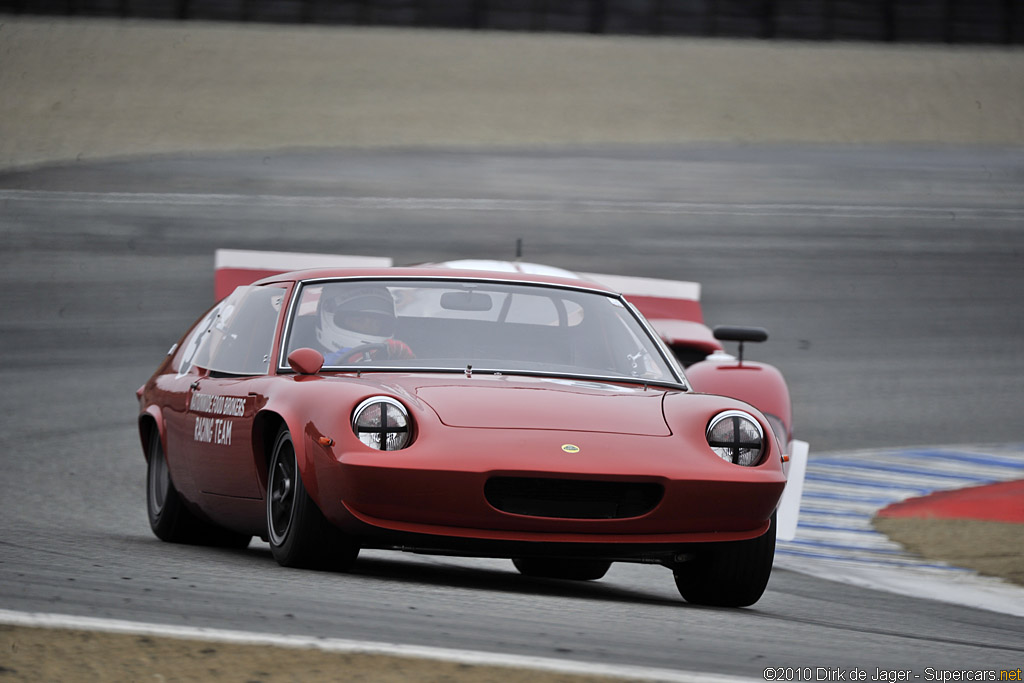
point(357, 324)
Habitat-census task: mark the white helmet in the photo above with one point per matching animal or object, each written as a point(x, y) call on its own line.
point(351, 316)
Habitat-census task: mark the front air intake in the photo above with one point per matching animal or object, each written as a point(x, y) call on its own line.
point(572, 498)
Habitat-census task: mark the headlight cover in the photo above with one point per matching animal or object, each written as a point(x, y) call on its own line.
point(382, 423)
point(736, 437)
point(780, 431)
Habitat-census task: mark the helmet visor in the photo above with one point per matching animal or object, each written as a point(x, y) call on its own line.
point(366, 322)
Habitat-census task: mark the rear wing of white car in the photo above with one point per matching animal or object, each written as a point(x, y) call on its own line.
point(237, 267)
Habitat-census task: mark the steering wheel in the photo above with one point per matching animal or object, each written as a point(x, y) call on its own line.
point(364, 349)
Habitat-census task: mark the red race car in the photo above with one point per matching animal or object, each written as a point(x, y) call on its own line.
point(478, 413)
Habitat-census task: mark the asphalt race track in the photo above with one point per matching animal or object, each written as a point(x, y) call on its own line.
point(890, 280)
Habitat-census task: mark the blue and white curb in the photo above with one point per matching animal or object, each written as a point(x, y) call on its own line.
point(834, 538)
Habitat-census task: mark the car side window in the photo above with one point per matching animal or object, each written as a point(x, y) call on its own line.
point(237, 336)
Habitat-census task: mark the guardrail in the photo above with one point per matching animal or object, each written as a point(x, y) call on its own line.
point(950, 21)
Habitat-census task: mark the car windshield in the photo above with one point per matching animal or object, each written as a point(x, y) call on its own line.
point(486, 326)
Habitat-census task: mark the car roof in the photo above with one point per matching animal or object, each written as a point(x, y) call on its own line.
point(439, 273)
point(493, 265)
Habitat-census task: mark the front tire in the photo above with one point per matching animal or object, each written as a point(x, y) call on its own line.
point(732, 574)
point(169, 518)
point(572, 569)
point(298, 532)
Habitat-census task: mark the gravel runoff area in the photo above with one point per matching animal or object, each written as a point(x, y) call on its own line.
point(84, 89)
point(991, 548)
point(88, 89)
point(46, 655)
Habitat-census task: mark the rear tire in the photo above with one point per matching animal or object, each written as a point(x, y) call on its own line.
point(169, 518)
point(732, 574)
point(298, 532)
point(571, 569)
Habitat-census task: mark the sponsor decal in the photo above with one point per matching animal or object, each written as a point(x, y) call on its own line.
point(215, 430)
point(217, 405)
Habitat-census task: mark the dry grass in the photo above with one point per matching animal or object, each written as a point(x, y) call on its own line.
point(93, 88)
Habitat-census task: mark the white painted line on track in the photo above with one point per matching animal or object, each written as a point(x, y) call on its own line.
point(842, 492)
point(519, 205)
point(339, 645)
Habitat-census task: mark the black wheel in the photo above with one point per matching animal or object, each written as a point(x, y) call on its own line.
point(732, 574)
point(170, 520)
point(573, 569)
point(299, 534)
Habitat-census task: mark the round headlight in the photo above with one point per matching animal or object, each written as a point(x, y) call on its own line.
point(382, 423)
point(736, 437)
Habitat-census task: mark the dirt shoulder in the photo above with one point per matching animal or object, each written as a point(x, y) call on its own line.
point(81, 89)
point(38, 654)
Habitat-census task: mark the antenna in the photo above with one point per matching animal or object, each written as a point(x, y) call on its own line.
point(519, 248)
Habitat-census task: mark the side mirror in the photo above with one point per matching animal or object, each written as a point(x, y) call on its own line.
point(306, 361)
point(741, 335)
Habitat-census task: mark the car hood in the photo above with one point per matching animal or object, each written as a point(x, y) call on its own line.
point(541, 403)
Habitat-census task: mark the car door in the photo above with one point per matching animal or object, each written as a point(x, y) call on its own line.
point(175, 388)
point(221, 402)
